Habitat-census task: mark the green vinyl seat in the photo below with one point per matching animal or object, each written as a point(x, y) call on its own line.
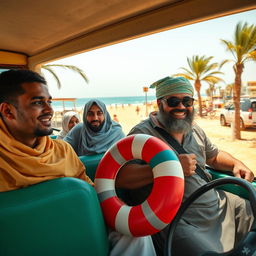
point(60, 217)
point(91, 163)
point(232, 188)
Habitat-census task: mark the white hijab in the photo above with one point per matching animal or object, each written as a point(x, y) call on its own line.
point(65, 121)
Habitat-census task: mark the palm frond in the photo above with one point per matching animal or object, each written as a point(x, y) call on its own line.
point(187, 76)
point(223, 63)
point(50, 68)
point(212, 79)
point(72, 68)
point(252, 55)
point(243, 43)
point(188, 72)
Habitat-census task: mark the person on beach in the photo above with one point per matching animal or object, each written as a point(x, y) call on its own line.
point(97, 133)
point(218, 220)
point(115, 118)
point(28, 156)
point(137, 110)
point(69, 120)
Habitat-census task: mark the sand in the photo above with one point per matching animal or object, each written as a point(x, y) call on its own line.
point(244, 150)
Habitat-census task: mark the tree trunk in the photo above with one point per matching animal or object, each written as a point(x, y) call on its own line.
point(198, 87)
point(212, 99)
point(238, 68)
point(200, 103)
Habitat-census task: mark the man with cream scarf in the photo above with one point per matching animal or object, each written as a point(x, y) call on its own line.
point(27, 154)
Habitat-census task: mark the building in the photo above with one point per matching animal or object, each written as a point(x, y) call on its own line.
point(251, 88)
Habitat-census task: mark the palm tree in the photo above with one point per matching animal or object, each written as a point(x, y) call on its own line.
point(50, 68)
point(201, 70)
point(252, 55)
point(229, 90)
point(243, 49)
point(210, 91)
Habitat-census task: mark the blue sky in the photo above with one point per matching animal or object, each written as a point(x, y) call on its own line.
point(123, 69)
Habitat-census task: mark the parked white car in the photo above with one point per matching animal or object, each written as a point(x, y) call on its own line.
point(247, 113)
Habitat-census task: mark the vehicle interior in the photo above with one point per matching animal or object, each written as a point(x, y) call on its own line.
point(63, 216)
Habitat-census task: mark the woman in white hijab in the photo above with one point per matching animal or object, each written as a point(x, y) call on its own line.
point(70, 119)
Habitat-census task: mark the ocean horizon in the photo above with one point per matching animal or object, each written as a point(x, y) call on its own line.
point(109, 101)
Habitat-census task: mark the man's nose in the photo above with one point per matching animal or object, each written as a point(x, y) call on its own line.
point(95, 116)
point(48, 107)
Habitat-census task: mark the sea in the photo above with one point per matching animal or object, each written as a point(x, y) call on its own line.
point(109, 101)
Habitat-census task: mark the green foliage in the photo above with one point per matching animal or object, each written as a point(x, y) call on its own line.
point(243, 46)
point(201, 69)
point(243, 49)
point(50, 69)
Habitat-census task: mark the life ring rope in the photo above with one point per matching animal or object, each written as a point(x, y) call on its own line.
point(166, 195)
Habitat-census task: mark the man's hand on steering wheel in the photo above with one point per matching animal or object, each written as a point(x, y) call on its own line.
point(241, 171)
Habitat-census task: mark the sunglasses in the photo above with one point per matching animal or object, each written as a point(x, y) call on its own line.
point(174, 101)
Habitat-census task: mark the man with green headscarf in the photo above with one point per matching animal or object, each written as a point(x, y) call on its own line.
point(218, 220)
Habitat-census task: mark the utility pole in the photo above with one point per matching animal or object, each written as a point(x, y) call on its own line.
point(145, 89)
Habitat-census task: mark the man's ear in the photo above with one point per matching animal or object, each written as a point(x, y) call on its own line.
point(6, 110)
point(158, 101)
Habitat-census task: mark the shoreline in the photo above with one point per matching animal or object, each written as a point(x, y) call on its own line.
point(126, 114)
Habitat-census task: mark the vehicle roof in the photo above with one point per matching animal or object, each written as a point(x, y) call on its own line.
point(47, 30)
point(248, 99)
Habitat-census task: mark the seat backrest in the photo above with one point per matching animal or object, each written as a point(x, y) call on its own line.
point(91, 163)
point(60, 217)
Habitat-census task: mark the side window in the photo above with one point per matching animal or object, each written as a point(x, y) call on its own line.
point(245, 105)
point(254, 106)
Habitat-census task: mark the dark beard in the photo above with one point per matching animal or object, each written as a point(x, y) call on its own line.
point(40, 133)
point(171, 124)
point(95, 128)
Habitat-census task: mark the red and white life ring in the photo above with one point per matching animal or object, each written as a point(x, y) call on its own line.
point(165, 198)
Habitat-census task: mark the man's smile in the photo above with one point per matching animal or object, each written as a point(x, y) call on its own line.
point(95, 122)
point(179, 114)
point(45, 120)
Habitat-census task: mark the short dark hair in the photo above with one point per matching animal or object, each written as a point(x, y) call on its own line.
point(11, 83)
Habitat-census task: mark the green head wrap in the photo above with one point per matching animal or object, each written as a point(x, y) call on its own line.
point(172, 85)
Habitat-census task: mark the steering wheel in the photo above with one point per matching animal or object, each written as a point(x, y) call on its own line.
point(247, 246)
